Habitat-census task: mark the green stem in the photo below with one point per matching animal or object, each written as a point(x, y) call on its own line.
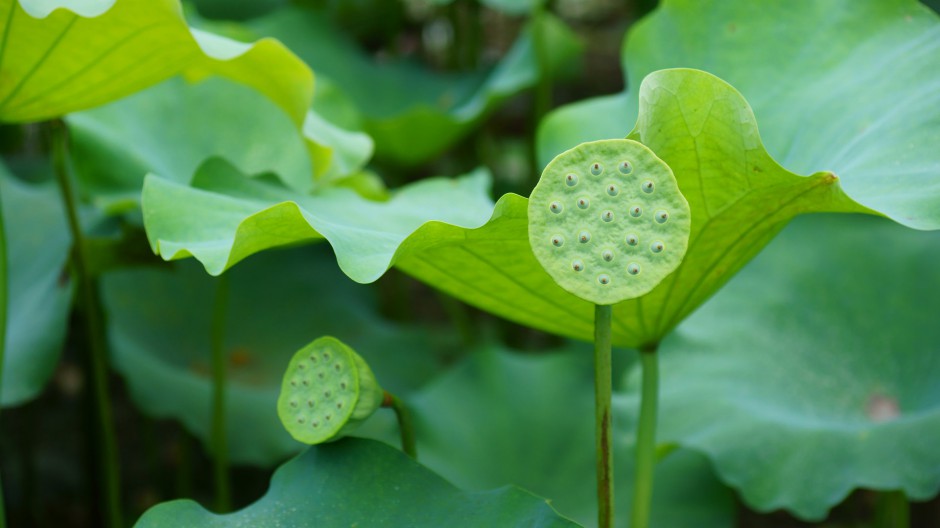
point(646, 439)
point(602, 422)
point(892, 510)
point(405, 425)
point(3, 329)
point(220, 469)
point(91, 308)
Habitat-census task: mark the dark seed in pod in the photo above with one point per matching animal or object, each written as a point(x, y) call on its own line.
point(596, 168)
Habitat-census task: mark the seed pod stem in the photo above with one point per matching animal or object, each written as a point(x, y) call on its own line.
point(646, 439)
point(602, 402)
point(405, 425)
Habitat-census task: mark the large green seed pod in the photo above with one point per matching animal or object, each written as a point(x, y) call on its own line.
point(607, 220)
point(328, 390)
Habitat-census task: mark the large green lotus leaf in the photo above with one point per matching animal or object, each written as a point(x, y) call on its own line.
point(59, 56)
point(815, 370)
point(39, 290)
point(224, 217)
point(851, 87)
point(503, 417)
point(411, 112)
point(160, 328)
point(357, 482)
point(739, 197)
point(171, 128)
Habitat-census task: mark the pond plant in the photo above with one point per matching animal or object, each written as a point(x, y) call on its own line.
point(135, 128)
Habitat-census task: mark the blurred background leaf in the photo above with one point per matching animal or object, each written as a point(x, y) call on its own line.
point(815, 370)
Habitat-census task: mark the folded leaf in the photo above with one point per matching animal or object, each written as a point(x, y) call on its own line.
point(60, 56)
point(357, 482)
point(225, 217)
point(851, 87)
point(739, 197)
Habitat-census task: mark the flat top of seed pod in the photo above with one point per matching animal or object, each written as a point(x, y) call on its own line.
point(319, 391)
point(607, 220)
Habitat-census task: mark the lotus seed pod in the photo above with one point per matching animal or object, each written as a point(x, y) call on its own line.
point(328, 390)
point(631, 223)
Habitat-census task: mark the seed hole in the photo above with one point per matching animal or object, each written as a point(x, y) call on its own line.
point(648, 186)
point(603, 279)
point(571, 180)
point(320, 375)
point(326, 394)
point(577, 265)
point(583, 203)
point(555, 207)
point(597, 168)
point(301, 366)
point(342, 385)
point(632, 240)
point(313, 358)
point(662, 216)
point(309, 403)
point(293, 403)
point(625, 167)
point(612, 190)
point(328, 417)
point(337, 367)
point(558, 241)
point(657, 247)
point(315, 424)
point(607, 216)
point(326, 356)
point(306, 383)
point(584, 237)
point(636, 211)
point(633, 268)
point(607, 255)
point(339, 405)
point(300, 419)
point(293, 383)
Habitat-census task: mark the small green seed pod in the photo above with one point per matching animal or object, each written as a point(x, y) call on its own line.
point(328, 390)
point(637, 203)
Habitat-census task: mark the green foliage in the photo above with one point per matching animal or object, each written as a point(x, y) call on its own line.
point(416, 114)
point(39, 292)
point(738, 195)
point(357, 482)
point(260, 338)
point(607, 221)
point(835, 373)
point(76, 54)
point(827, 82)
point(546, 402)
point(224, 217)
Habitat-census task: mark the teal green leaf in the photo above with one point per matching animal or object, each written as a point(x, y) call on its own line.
point(171, 377)
point(503, 417)
point(171, 128)
point(358, 482)
point(417, 114)
point(851, 87)
point(59, 56)
point(828, 386)
point(39, 290)
point(739, 197)
point(224, 217)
